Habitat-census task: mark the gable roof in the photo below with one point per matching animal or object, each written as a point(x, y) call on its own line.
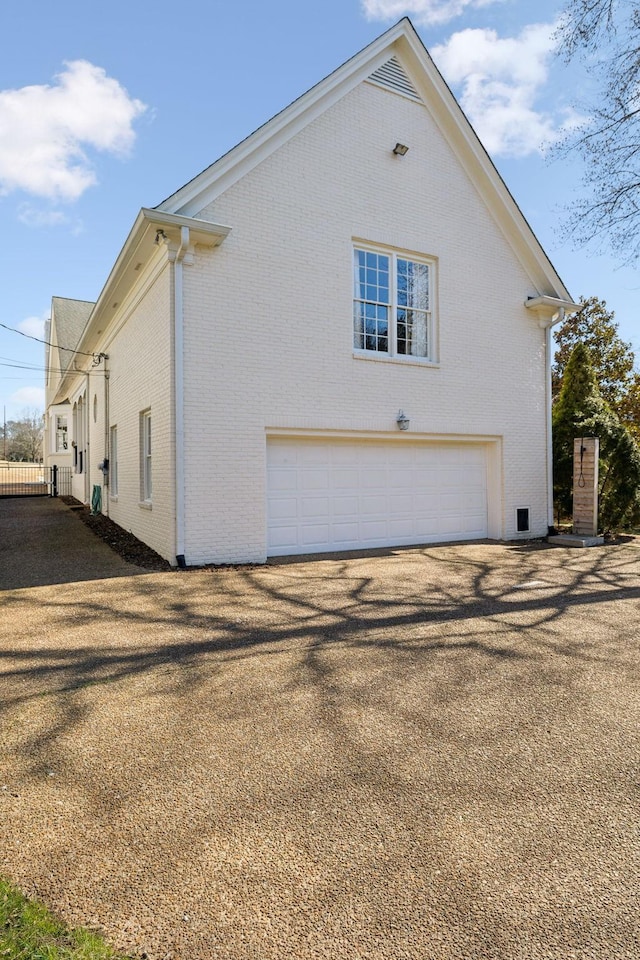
point(69, 318)
point(399, 61)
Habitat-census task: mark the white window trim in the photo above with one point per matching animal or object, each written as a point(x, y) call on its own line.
point(432, 359)
point(146, 459)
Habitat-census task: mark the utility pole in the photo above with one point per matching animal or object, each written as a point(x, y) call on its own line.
point(4, 433)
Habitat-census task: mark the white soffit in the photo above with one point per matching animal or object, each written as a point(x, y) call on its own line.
point(392, 77)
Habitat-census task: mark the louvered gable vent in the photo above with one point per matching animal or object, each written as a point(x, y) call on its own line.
point(392, 76)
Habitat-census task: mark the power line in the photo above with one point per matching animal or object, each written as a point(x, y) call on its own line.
point(48, 343)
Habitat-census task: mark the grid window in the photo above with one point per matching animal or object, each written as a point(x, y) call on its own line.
point(62, 437)
point(392, 304)
point(145, 455)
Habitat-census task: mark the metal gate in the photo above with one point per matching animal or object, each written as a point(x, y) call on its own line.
point(34, 480)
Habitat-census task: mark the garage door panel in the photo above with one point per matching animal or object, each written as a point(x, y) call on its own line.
point(401, 478)
point(376, 505)
point(473, 526)
point(426, 503)
point(282, 480)
point(281, 536)
point(427, 528)
point(314, 479)
point(315, 533)
point(283, 508)
point(374, 530)
point(345, 532)
point(345, 506)
point(373, 477)
point(473, 502)
point(400, 503)
point(316, 454)
point(315, 507)
point(399, 529)
point(346, 479)
point(348, 494)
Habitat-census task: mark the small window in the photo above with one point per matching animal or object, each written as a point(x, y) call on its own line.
point(146, 486)
point(113, 461)
point(392, 304)
point(62, 435)
point(522, 519)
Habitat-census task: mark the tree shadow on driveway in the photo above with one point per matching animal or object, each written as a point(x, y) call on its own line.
point(427, 754)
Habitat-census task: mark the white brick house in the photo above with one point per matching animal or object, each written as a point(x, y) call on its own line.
point(263, 329)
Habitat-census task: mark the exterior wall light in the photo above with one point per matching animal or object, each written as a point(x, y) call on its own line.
point(400, 149)
point(402, 420)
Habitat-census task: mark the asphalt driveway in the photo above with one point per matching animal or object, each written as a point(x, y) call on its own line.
point(42, 541)
point(431, 753)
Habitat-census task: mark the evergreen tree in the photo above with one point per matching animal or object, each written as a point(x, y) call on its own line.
point(581, 411)
point(612, 358)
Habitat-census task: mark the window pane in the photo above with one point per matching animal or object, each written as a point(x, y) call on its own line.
point(412, 333)
point(418, 285)
point(61, 434)
point(372, 327)
point(373, 291)
point(358, 274)
point(358, 326)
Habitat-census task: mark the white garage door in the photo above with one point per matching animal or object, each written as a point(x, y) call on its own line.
point(345, 495)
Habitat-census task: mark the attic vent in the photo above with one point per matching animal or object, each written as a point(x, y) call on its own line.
point(392, 76)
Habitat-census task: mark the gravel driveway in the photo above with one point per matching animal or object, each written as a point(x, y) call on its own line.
point(428, 754)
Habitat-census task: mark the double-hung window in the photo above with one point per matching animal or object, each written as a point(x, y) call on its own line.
point(146, 484)
point(62, 442)
point(392, 309)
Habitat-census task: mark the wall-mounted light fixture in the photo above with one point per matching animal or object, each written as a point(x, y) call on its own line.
point(400, 149)
point(402, 420)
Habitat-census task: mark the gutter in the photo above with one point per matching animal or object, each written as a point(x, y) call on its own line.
point(138, 248)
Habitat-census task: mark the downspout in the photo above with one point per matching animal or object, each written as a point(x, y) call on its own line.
point(178, 327)
point(556, 318)
point(107, 452)
point(87, 440)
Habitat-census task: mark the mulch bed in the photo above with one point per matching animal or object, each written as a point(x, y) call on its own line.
point(119, 539)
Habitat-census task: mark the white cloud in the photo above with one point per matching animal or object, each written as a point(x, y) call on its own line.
point(33, 326)
point(36, 217)
point(44, 131)
point(426, 12)
point(41, 217)
point(28, 397)
point(501, 81)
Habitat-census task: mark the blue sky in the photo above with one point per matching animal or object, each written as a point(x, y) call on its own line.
point(105, 108)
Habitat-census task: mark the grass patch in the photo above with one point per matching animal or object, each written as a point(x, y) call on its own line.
point(29, 932)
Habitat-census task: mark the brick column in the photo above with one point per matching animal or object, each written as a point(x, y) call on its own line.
point(585, 486)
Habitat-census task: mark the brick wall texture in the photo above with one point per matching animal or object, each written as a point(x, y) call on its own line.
point(269, 342)
point(270, 319)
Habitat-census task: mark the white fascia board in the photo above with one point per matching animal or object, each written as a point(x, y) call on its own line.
point(138, 247)
point(241, 159)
